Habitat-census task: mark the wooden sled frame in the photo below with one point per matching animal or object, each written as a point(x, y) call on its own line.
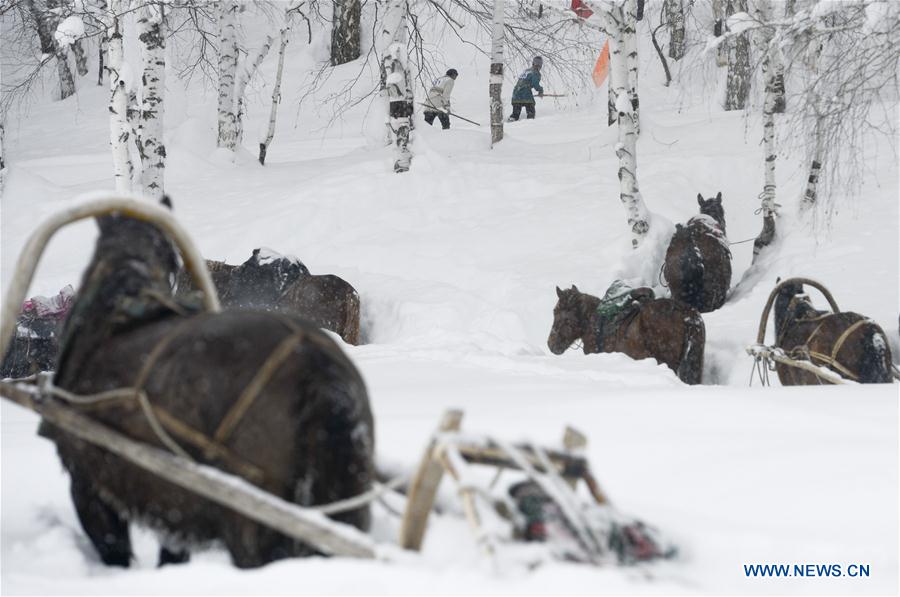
point(556, 472)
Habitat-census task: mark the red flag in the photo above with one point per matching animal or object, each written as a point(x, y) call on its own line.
point(601, 69)
point(580, 9)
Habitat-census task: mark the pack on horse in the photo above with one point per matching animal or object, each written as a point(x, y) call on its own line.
point(850, 344)
point(697, 267)
point(633, 322)
point(266, 396)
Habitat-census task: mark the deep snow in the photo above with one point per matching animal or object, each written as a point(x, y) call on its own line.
point(456, 263)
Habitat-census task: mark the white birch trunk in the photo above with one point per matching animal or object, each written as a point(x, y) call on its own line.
point(626, 148)
point(768, 206)
point(250, 69)
point(276, 95)
point(629, 31)
point(2, 153)
point(227, 70)
point(496, 81)
point(150, 127)
point(737, 87)
point(119, 128)
point(675, 17)
point(396, 87)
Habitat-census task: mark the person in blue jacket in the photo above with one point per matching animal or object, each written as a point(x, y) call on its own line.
point(522, 96)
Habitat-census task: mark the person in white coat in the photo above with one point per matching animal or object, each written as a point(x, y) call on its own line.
point(437, 102)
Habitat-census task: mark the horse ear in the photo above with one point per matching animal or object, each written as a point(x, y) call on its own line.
point(105, 223)
point(719, 197)
point(558, 292)
point(700, 199)
point(575, 288)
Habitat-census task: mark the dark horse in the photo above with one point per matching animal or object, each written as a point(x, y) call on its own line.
point(263, 395)
point(280, 283)
point(666, 330)
point(698, 261)
point(849, 344)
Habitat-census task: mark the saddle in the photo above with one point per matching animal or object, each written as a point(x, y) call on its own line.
point(618, 307)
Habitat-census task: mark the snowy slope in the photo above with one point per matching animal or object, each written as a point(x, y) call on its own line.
point(456, 264)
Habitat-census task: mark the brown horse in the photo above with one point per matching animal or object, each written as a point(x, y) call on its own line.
point(327, 301)
point(849, 344)
point(666, 330)
point(266, 396)
point(281, 283)
point(698, 262)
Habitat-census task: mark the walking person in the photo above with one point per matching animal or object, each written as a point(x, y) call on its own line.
point(437, 102)
point(522, 96)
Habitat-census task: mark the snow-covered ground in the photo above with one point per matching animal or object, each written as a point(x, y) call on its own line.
point(456, 263)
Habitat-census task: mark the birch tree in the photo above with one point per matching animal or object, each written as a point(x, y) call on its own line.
point(345, 31)
point(675, 18)
point(737, 86)
point(227, 71)
point(150, 132)
point(276, 89)
point(496, 81)
point(45, 21)
point(764, 37)
point(396, 81)
point(119, 84)
point(617, 25)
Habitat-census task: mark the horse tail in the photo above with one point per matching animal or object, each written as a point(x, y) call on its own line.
point(690, 367)
point(692, 270)
point(875, 365)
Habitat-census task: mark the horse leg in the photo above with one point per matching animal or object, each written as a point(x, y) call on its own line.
point(106, 529)
point(172, 555)
point(690, 367)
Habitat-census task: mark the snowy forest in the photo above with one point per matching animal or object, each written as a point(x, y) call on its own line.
point(449, 297)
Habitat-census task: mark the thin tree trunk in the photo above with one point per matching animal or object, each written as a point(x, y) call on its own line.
point(151, 144)
point(662, 57)
point(768, 207)
point(675, 12)
point(396, 81)
point(629, 31)
point(81, 59)
point(626, 148)
point(2, 153)
point(101, 48)
point(496, 82)
point(276, 96)
point(241, 88)
point(718, 7)
point(119, 128)
point(227, 70)
point(738, 84)
point(66, 79)
point(345, 30)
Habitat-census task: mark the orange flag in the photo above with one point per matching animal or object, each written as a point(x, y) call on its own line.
point(601, 69)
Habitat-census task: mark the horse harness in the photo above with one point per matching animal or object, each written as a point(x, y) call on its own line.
point(165, 425)
point(818, 358)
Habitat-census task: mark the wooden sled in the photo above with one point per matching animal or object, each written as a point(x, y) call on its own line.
point(557, 473)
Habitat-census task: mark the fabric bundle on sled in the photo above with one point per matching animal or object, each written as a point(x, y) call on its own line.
point(626, 539)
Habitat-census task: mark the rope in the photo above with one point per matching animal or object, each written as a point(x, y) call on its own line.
point(363, 499)
point(742, 241)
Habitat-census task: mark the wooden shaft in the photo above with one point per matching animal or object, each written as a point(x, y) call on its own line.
point(233, 492)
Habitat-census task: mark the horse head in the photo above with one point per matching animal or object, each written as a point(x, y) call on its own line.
point(713, 208)
point(134, 265)
point(568, 320)
point(790, 303)
point(261, 280)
